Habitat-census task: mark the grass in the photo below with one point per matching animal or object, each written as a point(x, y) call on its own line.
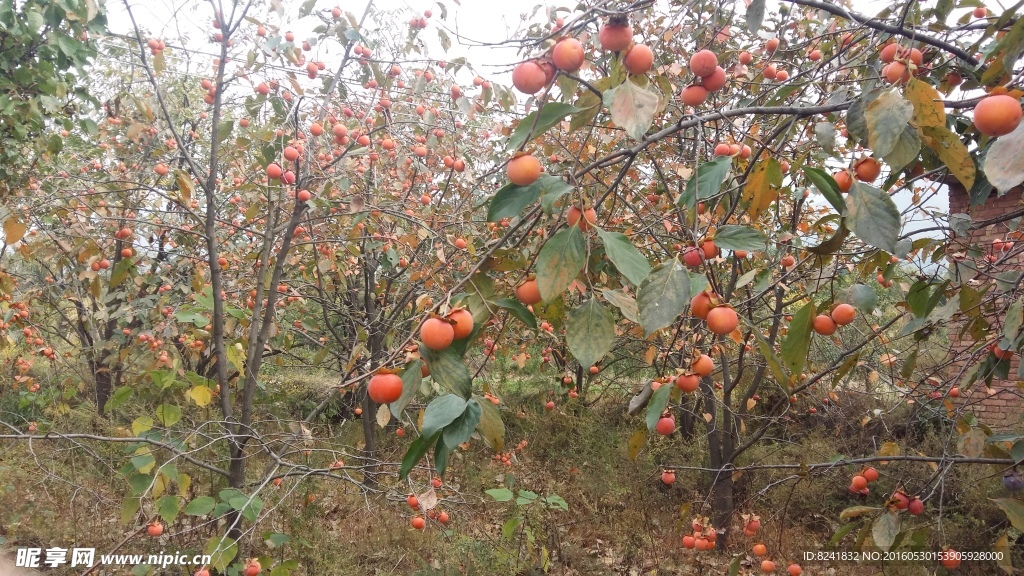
point(621, 518)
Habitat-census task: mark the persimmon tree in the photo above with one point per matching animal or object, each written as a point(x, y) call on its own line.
point(723, 198)
point(219, 217)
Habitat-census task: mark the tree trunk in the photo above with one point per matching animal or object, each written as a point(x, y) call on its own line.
point(369, 441)
point(723, 505)
point(104, 385)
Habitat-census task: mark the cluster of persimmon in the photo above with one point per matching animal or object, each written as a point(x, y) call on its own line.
point(156, 46)
point(505, 458)
point(438, 333)
point(421, 22)
point(828, 324)
point(901, 63)
point(693, 256)
point(902, 501)
point(866, 169)
point(704, 65)
point(859, 482)
point(703, 537)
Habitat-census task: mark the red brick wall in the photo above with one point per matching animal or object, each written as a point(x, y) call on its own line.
point(999, 406)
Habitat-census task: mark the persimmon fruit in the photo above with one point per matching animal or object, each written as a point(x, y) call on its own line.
point(437, 334)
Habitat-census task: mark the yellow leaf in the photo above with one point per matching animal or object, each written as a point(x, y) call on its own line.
point(142, 424)
point(750, 404)
point(928, 107)
point(762, 185)
point(889, 449)
point(159, 485)
point(708, 417)
point(684, 510)
point(650, 355)
point(383, 415)
point(1002, 547)
point(201, 395)
point(13, 230)
point(636, 443)
point(184, 482)
point(948, 147)
point(185, 186)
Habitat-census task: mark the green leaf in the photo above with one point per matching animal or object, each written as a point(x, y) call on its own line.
point(755, 15)
point(873, 216)
point(589, 332)
point(201, 506)
point(510, 199)
point(886, 117)
point(412, 377)
point(417, 449)
point(841, 533)
point(825, 134)
point(657, 404)
point(121, 395)
point(625, 256)
point(516, 309)
point(462, 427)
point(441, 412)
point(143, 463)
point(551, 189)
point(906, 149)
point(491, 427)
point(129, 507)
point(706, 182)
point(632, 108)
point(552, 113)
point(825, 184)
point(448, 370)
point(1013, 320)
point(774, 364)
point(1014, 510)
point(167, 507)
point(1007, 51)
point(625, 303)
point(191, 317)
point(798, 340)
point(508, 529)
point(222, 550)
point(1004, 163)
point(500, 494)
point(952, 152)
point(735, 237)
point(589, 104)
point(560, 261)
point(734, 565)
point(663, 296)
point(863, 297)
point(168, 414)
point(855, 511)
point(139, 483)
point(885, 529)
point(277, 539)
point(441, 453)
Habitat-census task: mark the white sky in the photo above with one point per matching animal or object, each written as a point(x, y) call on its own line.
point(477, 21)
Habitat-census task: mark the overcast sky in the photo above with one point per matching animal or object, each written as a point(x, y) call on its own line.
point(468, 25)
